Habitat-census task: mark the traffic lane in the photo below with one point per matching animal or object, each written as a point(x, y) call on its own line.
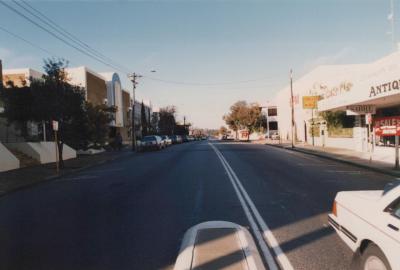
point(294, 193)
point(71, 222)
point(126, 214)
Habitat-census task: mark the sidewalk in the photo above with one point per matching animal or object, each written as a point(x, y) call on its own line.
point(25, 177)
point(360, 159)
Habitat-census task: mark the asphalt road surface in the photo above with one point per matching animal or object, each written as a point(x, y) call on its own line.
point(132, 213)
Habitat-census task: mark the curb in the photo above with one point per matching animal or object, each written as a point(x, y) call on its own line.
point(55, 177)
point(313, 153)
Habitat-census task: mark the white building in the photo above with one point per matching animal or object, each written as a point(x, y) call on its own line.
point(339, 86)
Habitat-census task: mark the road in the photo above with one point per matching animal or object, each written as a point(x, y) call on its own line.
point(132, 213)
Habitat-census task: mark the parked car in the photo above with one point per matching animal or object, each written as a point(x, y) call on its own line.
point(152, 142)
point(176, 139)
point(185, 138)
point(167, 140)
point(369, 223)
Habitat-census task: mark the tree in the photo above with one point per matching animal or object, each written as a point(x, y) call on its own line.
point(154, 123)
point(47, 99)
point(55, 99)
point(143, 120)
point(223, 131)
point(167, 120)
point(17, 106)
point(244, 116)
point(98, 119)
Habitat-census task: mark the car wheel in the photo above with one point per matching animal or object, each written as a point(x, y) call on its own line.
point(374, 259)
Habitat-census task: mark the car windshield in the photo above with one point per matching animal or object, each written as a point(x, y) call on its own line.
point(149, 138)
point(285, 151)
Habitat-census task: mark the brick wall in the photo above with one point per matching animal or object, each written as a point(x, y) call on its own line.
point(125, 108)
point(96, 89)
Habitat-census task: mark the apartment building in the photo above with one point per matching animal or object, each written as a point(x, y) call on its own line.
point(93, 84)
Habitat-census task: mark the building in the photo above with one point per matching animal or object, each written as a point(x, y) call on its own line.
point(20, 77)
point(126, 129)
point(270, 111)
point(93, 84)
point(105, 88)
point(17, 150)
point(138, 116)
point(347, 92)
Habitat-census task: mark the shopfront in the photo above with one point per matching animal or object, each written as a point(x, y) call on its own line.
point(375, 103)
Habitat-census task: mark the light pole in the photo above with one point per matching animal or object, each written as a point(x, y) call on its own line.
point(133, 78)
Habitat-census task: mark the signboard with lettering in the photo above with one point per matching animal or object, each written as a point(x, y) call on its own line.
point(383, 88)
point(360, 109)
point(310, 102)
point(387, 126)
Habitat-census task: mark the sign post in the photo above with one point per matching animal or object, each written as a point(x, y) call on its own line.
point(311, 102)
point(55, 128)
point(396, 145)
point(368, 122)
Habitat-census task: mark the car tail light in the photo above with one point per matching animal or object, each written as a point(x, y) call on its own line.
point(334, 209)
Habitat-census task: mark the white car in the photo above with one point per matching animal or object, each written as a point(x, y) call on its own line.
point(369, 222)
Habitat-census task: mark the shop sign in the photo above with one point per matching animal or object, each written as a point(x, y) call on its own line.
point(310, 102)
point(368, 119)
point(387, 126)
point(55, 125)
point(360, 109)
point(328, 92)
point(383, 88)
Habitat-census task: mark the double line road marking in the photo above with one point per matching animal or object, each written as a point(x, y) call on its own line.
point(260, 229)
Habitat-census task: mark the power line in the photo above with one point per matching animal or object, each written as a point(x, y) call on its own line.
point(59, 38)
point(51, 23)
point(74, 42)
point(204, 84)
point(27, 41)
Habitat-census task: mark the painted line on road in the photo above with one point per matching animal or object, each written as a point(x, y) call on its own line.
point(81, 177)
point(348, 172)
point(264, 248)
point(267, 235)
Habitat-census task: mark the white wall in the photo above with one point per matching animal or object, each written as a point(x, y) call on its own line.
point(7, 160)
point(44, 152)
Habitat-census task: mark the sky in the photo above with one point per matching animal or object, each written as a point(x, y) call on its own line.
point(207, 54)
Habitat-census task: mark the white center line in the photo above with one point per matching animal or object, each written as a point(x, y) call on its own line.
point(266, 232)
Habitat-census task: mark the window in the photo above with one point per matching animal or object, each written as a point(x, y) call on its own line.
point(396, 209)
point(272, 112)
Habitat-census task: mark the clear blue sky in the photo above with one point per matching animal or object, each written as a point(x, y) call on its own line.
point(207, 42)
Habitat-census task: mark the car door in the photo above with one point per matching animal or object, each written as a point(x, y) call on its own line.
point(391, 227)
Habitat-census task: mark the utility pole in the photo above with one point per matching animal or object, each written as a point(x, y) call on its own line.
point(292, 104)
point(133, 78)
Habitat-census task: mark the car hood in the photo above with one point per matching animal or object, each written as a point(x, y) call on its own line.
point(359, 200)
point(371, 195)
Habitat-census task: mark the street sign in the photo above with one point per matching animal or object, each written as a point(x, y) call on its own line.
point(310, 102)
point(360, 109)
point(387, 126)
point(368, 119)
point(55, 125)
